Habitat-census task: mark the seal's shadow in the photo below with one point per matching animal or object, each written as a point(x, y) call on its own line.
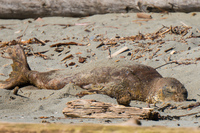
point(191, 100)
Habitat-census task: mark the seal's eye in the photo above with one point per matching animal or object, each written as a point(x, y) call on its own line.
point(127, 72)
point(168, 90)
point(172, 88)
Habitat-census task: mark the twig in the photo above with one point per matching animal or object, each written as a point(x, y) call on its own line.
point(164, 107)
point(169, 49)
point(176, 62)
point(192, 105)
point(37, 40)
point(184, 24)
point(42, 52)
point(166, 64)
point(68, 56)
point(178, 116)
point(165, 31)
point(66, 43)
point(141, 20)
point(154, 53)
point(188, 114)
point(20, 37)
point(101, 44)
point(159, 30)
point(118, 52)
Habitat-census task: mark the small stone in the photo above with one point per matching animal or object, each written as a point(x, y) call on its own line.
point(81, 60)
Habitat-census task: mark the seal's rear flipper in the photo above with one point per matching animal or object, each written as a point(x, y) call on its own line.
point(20, 68)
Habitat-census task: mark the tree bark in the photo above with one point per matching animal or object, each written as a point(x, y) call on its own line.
point(169, 5)
point(70, 8)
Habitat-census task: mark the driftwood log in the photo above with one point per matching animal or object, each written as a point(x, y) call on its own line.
point(70, 8)
point(93, 109)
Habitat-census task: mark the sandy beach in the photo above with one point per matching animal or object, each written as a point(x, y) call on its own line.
point(32, 104)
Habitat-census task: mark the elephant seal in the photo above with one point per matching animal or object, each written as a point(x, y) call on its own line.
point(125, 83)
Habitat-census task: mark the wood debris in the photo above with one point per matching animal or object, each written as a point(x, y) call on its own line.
point(64, 25)
point(59, 49)
point(164, 107)
point(191, 106)
point(67, 57)
point(118, 52)
point(72, 64)
point(101, 44)
point(82, 59)
point(66, 43)
point(144, 15)
point(178, 30)
point(154, 53)
point(169, 49)
point(43, 56)
point(185, 62)
point(81, 108)
point(39, 41)
point(15, 42)
point(35, 53)
point(177, 117)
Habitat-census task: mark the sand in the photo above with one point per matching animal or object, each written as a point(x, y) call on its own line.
point(32, 104)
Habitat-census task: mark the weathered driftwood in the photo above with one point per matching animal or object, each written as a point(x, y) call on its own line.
point(81, 108)
point(42, 8)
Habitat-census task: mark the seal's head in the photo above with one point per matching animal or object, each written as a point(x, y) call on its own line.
point(170, 89)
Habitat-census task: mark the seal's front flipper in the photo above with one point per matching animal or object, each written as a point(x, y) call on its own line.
point(20, 68)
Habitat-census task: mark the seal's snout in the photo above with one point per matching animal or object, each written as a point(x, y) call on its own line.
point(182, 95)
point(171, 90)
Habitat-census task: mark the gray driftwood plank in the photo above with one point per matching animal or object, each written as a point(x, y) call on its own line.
point(81, 108)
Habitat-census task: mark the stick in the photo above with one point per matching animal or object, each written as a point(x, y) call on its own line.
point(118, 52)
point(164, 107)
point(66, 43)
point(39, 41)
point(68, 56)
point(42, 52)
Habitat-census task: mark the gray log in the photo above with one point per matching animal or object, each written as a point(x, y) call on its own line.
point(169, 5)
point(73, 8)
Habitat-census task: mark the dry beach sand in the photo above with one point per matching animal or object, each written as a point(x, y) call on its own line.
point(32, 104)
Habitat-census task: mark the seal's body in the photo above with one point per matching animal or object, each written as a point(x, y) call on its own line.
point(136, 82)
point(125, 83)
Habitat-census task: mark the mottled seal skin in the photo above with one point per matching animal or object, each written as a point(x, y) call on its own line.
point(125, 83)
point(136, 82)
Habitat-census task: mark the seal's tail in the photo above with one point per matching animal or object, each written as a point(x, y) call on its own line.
point(20, 67)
